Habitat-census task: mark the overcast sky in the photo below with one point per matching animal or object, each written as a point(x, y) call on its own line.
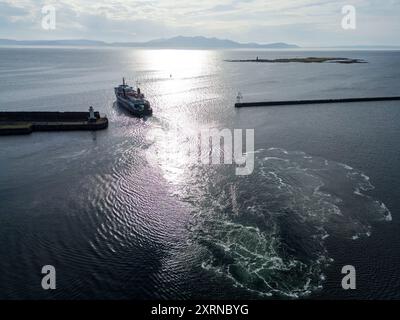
point(303, 22)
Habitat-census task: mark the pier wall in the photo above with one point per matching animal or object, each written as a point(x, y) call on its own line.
point(45, 116)
point(318, 101)
point(16, 123)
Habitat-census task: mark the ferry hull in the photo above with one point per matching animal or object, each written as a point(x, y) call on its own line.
point(126, 105)
point(132, 100)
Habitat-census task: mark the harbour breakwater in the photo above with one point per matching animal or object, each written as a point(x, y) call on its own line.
point(318, 101)
point(15, 123)
point(303, 60)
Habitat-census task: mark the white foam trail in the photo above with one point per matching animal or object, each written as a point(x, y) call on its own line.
point(294, 199)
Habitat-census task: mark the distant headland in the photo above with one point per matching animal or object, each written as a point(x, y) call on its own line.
point(175, 42)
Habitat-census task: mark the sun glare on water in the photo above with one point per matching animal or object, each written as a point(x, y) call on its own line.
point(179, 84)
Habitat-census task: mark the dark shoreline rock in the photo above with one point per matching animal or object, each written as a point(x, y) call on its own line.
point(304, 60)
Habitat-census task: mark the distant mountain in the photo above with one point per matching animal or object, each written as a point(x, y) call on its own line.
point(176, 42)
point(203, 42)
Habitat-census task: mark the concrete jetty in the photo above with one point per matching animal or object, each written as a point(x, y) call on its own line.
point(12, 123)
point(319, 101)
point(303, 60)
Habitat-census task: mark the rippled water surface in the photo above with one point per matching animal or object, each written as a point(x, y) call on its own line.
point(129, 212)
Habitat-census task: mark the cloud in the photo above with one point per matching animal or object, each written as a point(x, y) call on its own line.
point(309, 22)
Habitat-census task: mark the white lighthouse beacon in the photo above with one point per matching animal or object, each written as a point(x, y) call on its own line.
point(92, 117)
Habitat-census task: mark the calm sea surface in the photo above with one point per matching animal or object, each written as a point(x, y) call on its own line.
point(127, 213)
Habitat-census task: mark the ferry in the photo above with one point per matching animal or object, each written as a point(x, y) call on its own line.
point(132, 100)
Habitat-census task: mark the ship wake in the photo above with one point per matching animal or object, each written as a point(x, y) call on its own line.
point(266, 232)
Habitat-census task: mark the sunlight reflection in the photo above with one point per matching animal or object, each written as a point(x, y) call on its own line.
point(178, 63)
point(177, 77)
point(179, 85)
